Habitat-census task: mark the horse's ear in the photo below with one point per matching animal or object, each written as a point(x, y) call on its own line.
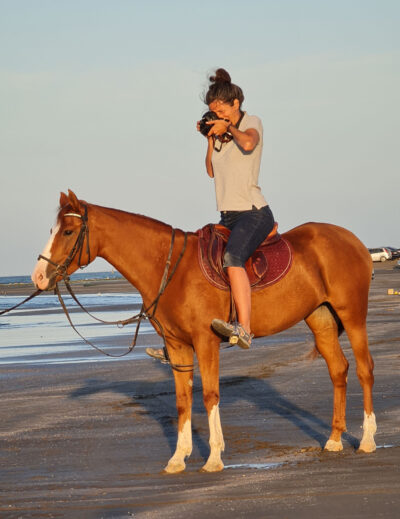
point(73, 200)
point(63, 200)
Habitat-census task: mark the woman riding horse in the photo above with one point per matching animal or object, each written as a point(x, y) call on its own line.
point(326, 285)
point(235, 142)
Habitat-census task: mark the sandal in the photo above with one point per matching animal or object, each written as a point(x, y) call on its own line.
point(235, 331)
point(158, 354)
point(241, 337)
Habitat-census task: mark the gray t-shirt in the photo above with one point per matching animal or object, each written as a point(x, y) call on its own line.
point(236, 172)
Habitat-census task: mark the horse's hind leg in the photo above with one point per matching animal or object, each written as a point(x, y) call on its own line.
point(182, 354)
point(365, 365)
point(325, 330)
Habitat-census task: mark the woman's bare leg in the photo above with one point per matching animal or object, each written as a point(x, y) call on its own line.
point(241, 292)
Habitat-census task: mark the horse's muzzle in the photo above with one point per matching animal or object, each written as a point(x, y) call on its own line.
point(45, 278)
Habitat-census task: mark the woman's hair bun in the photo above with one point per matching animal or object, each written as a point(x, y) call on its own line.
point(221, 75)
point(222, 89)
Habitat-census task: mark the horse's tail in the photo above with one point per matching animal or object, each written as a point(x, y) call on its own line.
point(336, 317)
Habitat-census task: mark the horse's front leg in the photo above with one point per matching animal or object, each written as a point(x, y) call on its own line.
point(208, 356)
point(182, 354)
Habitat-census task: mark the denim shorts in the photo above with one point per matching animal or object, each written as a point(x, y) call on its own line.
point(248, 230)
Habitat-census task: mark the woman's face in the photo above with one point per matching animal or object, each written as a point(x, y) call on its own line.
point(225, 110)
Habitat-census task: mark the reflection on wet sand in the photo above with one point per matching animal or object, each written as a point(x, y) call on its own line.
point(39, 332)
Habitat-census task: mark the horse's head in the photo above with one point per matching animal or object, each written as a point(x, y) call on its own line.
point(68, 246)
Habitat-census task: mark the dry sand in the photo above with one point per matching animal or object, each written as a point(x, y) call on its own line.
point(90, 440)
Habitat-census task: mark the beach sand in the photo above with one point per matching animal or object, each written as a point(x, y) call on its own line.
point(90, 440)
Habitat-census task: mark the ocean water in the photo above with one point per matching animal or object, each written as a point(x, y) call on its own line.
point(39, 332)
point(78, 276)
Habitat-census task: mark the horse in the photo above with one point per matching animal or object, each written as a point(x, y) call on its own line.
point(327, 286)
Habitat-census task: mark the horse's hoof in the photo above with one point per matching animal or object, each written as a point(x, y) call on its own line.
point(215, 466)
point(333, 446)
point(367, 446)
point(174, 468)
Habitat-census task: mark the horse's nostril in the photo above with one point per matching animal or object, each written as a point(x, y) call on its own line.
point(40, 277)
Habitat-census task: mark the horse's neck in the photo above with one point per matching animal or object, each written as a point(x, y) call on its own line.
point(135, 245)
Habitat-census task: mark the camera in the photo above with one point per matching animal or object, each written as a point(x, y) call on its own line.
point(205, 128)
point(208, 116)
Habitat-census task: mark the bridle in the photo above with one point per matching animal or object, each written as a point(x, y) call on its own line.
point(145, 312)
point(61, 270)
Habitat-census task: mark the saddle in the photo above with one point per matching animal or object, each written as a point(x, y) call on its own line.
point(268, 264)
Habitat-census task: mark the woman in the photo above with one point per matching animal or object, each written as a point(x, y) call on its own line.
point(233, 159)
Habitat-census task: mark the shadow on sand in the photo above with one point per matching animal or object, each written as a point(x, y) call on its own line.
point(157, 399)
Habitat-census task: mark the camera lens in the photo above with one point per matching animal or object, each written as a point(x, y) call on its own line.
point(208, 116)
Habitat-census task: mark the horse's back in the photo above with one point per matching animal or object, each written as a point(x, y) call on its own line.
point(326, 238)
point(338, 253)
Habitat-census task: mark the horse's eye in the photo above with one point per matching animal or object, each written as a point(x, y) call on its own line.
point(68, 232)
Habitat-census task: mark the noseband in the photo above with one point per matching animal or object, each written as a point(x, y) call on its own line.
point(61, 269)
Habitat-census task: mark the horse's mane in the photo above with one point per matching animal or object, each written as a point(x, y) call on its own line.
point(143, 219)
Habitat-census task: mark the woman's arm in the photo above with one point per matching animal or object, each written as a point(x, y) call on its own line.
point(210, 148)
point(247, 140)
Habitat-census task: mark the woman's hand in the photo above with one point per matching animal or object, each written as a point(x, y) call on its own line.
point(214, 131)
point(218, 127)
point(198, 129)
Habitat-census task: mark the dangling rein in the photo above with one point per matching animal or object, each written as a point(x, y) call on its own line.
point(22, 302)
point(145, 313)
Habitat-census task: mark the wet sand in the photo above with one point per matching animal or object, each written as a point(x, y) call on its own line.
point(90, 440)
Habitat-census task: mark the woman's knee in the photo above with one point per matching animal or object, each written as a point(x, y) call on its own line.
point(232, 260)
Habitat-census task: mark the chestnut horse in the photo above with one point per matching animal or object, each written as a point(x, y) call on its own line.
point(327, 286)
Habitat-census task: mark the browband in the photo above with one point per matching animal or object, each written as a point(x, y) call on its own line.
point(73, 214)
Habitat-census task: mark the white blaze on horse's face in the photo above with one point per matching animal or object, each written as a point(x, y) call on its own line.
point(39, 276)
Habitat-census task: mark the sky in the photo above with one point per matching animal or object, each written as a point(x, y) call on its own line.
point(102, 97)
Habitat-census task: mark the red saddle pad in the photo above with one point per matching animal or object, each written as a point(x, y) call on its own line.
point(269, 263)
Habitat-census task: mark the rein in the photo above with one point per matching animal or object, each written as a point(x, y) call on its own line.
point(22, 302)
point(145, 313)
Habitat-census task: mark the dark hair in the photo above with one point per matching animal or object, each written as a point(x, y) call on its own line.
point(222, 89)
